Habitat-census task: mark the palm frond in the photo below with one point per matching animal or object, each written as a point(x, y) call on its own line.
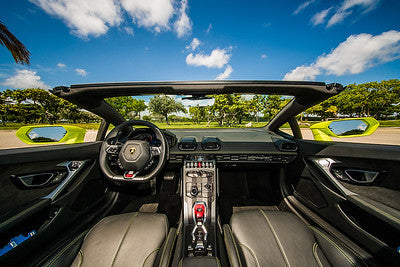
point(18, 50)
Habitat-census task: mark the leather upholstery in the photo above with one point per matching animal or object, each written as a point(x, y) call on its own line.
point(131, 239)
point(276, 238)
point(65, 254)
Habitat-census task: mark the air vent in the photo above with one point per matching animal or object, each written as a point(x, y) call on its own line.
point(175, 158)
point(255, 158)
point(211, 143)
point(188, 144)
point(286, 145)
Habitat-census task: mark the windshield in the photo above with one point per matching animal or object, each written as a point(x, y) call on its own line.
point(211, 111)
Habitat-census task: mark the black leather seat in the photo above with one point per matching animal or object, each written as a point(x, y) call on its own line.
point(131, 239)
point(276, 238)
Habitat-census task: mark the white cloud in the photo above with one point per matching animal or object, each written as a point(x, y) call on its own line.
point(183, 25)
point(81, 72)
point(150, 14)
point(353, 56)
point(25, 79)
point(194, 44)
point(84, 17)
point(61, 65)
point(217, 59)
point(302, 6)
point(338, 17)
point(319, 18)
point(129, 30)
point(226, 74)
point(263, 56)
point(193, 103)
point(209, 28)
point(94, 18)
point(302, 73)
point(346, 9)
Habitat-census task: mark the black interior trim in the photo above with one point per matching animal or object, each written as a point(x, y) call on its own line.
point(49, 153)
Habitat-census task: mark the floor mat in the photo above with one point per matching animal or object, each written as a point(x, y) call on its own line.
point(136, 204)
point(242, 208)
point(250, 188)
point(149, 207)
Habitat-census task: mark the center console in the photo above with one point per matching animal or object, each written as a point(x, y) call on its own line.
point(199, 195)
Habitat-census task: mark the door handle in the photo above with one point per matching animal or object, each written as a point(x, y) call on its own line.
point(361, 176)
point(39, 180)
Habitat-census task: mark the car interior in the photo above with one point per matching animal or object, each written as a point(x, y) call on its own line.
point(144, 196)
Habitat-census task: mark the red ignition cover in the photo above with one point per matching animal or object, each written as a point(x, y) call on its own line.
point(199, 210)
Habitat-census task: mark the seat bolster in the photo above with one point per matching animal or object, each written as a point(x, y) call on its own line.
point(132, 239)
point(164, 255)
point(277, 238)
point(231, 247)
point(336, 253)
point(64, 255)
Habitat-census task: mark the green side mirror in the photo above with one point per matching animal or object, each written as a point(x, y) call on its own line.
point(51, 134)
point(323, 131)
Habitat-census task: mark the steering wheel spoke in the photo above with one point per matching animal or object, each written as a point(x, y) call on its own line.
point(130, 174)
point(113, 149)
point(155, 150)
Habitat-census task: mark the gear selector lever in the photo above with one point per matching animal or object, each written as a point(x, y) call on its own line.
point(199, 233)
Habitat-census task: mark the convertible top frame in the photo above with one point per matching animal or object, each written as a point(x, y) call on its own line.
point(91, 96)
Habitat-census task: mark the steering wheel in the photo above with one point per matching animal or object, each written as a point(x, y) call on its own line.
point(135, 158)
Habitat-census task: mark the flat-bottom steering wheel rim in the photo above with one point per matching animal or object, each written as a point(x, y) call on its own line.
point(163, 156)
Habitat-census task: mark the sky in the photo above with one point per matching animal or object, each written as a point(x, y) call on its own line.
point(85, 41)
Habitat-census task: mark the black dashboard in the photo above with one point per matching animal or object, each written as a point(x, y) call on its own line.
point(229, 146)
point(234, 146)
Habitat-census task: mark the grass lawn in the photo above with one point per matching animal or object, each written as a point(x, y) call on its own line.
point(187, 125)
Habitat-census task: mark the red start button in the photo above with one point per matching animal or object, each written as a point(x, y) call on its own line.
point(199, 211)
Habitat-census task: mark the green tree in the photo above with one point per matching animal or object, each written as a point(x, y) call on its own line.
point(256, 105)
point(229, 109)
point(273, 104)
point(198, 113)
point(128, 106)
point(165, 105)
point(377, 99)
point(50, 105)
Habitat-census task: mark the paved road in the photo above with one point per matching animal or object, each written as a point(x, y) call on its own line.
point(387, 135)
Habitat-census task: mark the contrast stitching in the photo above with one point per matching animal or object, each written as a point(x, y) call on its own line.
point(251, 252)
point(63, 250)
point(123, 237)
point(276, 238)
point(165, 246)
point(148, 256)
point(315, 246)
point(166, 226)
point(170, 251)
point(234, 245)
point(218, 263)
point(349, 248)
point(81, 254)
point(347, 257)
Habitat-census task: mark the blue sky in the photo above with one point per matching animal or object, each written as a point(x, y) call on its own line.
point(84, 41)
